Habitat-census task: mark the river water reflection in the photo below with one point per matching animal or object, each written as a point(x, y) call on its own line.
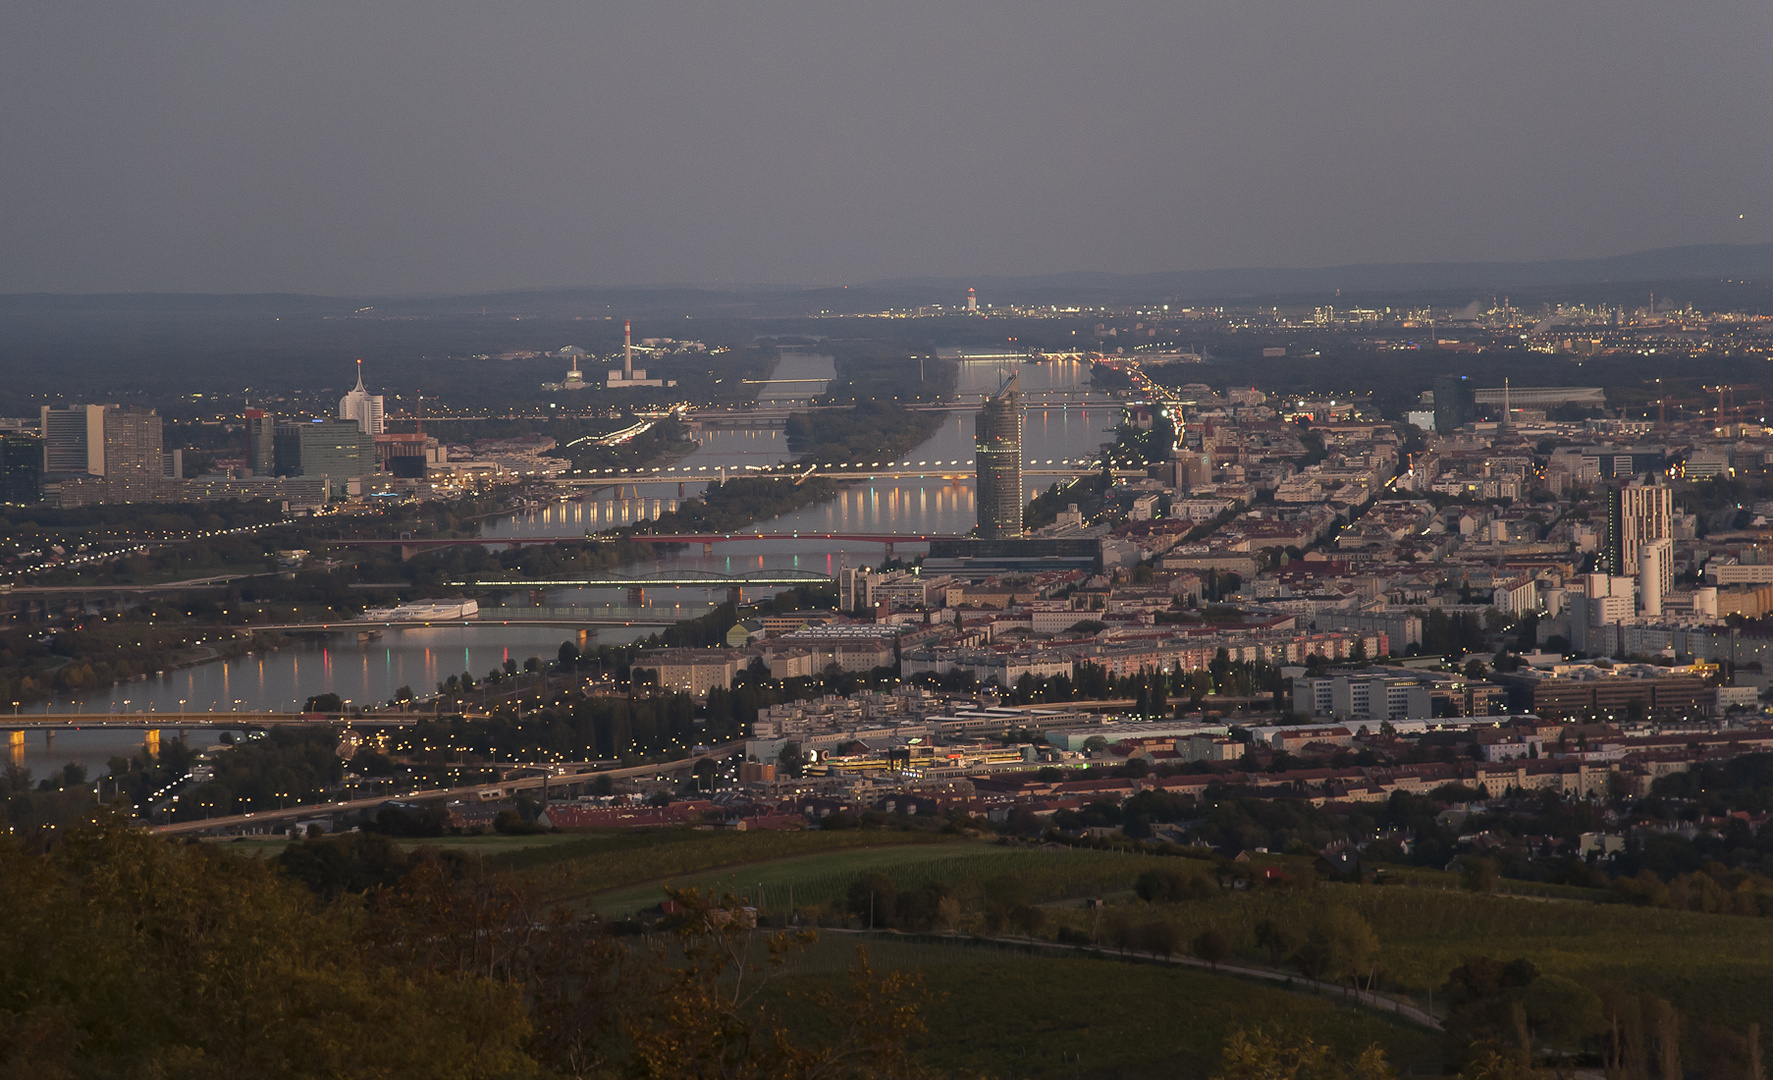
point(92, 749)
point(922, 506)
point(420, 658)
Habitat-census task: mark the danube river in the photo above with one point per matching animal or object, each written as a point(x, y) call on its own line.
point(420, 658)
point(907, 507)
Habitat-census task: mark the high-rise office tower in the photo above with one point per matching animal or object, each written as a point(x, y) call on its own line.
point(1455, 402)
point(364, 407)
point(336, 449)
point(261, 442)
point(74, 440)
point(104, 454)
point(997, 458)
point(21, 467)
point(135, 466)
point(1637, 513)
point(133, 447)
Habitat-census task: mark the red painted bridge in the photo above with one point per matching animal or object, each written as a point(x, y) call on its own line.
point(652, 538)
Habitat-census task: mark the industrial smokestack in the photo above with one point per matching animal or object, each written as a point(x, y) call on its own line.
point(627, 354)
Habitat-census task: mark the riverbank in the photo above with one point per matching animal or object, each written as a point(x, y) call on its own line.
point(112, 652)
point(739, 502)
point(871, 431)
point(666, 441)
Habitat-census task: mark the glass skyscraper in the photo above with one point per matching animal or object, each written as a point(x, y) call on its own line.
point(997, 459)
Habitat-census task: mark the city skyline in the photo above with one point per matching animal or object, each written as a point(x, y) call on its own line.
point(911, 540)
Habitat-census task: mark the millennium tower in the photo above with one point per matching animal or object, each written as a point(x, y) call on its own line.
point(997, 455)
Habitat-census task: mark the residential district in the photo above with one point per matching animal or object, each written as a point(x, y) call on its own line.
point(1510, 590)
point(1297, 602)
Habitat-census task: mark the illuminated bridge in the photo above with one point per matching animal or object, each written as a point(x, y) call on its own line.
point(673, 579)
point(499, 616)
point(151, 724)
point(888, 539)
point(957, 469)
point(776, 415)
point(705, 539)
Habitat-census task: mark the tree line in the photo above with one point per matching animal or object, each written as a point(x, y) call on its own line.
point(130, 956)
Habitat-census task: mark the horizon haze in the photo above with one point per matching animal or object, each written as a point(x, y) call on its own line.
point(449, 148)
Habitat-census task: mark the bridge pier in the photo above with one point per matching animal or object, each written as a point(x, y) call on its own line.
point(16, 739)
point(151, 741)
point(889, 550)
point(49, 740)
point(735, 595)
point(708, 549)
point(636, 595)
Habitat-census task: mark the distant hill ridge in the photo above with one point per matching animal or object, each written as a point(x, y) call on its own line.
point(1663, 264)
point(1695, 262)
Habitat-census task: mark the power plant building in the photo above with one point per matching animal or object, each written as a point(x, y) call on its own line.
point(997, 457)
point(629, 375)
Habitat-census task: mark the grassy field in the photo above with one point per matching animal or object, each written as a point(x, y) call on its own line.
point(483, 845)
point(1712, 966)
point(822, 880)
point(593, 863)
point(1429, 878)
point(1004, 1013)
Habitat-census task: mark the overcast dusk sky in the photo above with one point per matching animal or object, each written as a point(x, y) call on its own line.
point(443, 147)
